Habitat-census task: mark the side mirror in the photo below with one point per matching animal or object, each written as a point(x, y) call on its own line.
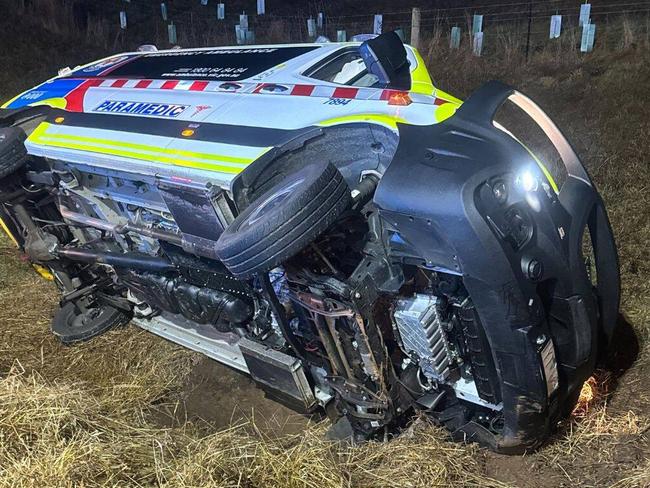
point(385, 57)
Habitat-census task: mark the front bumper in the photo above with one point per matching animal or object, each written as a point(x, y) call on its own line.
point(520, 255)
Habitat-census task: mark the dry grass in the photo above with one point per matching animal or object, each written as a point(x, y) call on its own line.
point(596, 430)
point(421, 458)
point(74, 431)
point(640, 477)
point(82, 417)
point(65, 434)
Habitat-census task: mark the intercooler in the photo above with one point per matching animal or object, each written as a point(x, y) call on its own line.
point(280, 375)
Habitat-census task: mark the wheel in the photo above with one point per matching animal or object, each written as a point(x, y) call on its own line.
point(75, 322)
point(13, 154)
point(285, 219)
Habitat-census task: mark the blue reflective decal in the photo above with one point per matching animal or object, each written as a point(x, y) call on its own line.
point(58, 88)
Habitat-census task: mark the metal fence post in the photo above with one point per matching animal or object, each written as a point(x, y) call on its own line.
point(415, 27)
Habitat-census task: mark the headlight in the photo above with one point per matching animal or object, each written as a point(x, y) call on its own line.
point(527, 180)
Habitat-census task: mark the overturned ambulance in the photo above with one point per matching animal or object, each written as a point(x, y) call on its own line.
point(325, 220)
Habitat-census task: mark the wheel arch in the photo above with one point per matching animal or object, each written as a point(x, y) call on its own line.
point(352, 147)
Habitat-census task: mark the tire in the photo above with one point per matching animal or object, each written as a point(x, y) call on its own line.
point(70, 325)
point(13, 154)
point(284, 220)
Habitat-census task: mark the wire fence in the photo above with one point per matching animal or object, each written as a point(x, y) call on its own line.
point(516, 25)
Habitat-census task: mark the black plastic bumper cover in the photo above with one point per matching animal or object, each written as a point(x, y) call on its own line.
point(441, 211)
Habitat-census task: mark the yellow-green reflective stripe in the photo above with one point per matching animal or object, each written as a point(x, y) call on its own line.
point(420, 76)
point(40, 130)
point(6, 229)
point(40, 133)
point(48, 140)
point(388, 120)
point(57, 102)
point(230, 164)
point(445, 111)
point(139, 156)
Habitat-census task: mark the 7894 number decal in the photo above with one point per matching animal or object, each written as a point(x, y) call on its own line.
point(337, 101)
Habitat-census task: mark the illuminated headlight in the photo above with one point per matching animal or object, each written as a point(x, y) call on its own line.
point(527, 181)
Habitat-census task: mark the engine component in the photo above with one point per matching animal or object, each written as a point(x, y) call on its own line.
point(477, 350)
point(130, 260)
point(421, 330)
point(198, 304)
point(279, 374)
point(284, 220)
point(280, 315)
point(39, 245)
point(206, 273)
point(121, 228)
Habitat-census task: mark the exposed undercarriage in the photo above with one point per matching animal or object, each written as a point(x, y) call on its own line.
point(321, 292)
point(366, 354)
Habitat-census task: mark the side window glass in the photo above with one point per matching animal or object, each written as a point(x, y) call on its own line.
point(346, 69)
point(349, 71)
point(367, 80)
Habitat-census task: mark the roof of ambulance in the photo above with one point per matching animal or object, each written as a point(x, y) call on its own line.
point(318, 48)
point(255, 60)
point(250, 62)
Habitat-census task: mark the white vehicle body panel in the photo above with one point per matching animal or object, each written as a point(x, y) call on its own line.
point(280, 97)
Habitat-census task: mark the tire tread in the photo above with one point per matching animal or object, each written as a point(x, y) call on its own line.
point(289, 230)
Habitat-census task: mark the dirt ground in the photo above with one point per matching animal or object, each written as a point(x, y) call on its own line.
point(130, 409)
point(221, 397)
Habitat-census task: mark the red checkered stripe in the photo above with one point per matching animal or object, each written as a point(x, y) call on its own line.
point(281, 89)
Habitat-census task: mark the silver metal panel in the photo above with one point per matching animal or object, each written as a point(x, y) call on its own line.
point(420, 329)
point(270, 356)
point(219, 349)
